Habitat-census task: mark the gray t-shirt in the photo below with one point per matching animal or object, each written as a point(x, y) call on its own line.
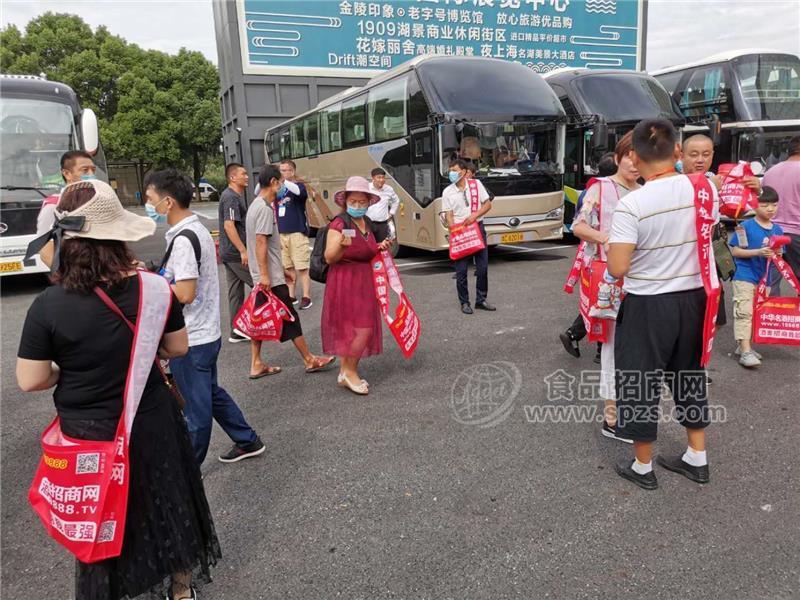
point(232, 207)
point(261, 221)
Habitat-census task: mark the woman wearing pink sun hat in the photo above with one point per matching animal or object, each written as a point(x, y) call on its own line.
point(351, 320)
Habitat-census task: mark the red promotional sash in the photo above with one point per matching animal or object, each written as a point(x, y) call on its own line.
point(704, 227)
point(777, 320)
point(474, 195)
point(405, 325)
point(80, 490)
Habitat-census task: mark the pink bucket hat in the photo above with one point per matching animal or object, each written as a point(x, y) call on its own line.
point(355, 183)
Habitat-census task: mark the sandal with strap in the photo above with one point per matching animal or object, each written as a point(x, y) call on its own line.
point(320, 363)
point(362, 389)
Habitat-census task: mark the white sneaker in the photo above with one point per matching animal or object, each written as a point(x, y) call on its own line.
point(738, 352)
point(749, 359)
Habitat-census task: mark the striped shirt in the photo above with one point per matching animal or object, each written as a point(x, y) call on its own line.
point(660, 219)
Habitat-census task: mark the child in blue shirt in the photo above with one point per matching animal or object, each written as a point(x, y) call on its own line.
point(751, 252)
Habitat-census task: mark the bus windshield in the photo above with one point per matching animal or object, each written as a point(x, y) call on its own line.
point(625, 97)
point(35, 133)
point(770, 86)
point(505, 148)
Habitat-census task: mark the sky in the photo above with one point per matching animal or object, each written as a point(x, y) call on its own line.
point(679, 31)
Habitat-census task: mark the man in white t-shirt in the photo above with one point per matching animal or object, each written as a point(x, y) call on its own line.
point(382, 212)
point(653, 245)
point(195, 283)
point(460, 206)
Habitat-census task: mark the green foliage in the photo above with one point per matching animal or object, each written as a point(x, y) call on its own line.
point(151, 106)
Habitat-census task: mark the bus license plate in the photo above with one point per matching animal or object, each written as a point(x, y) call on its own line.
point(510, 238)
point(10, 267)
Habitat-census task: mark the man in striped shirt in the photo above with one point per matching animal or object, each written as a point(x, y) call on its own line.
point(659, 335)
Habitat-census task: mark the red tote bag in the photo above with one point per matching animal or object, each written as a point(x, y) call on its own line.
point(262, 321)
point(80, 490)
point(466, 240)
point(777, 320)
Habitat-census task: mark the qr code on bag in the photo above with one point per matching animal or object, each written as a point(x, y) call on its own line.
point(87, 463)
point(106, 533)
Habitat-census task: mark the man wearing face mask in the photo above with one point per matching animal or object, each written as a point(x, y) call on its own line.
point(76, 165)
point(191, 267)
point(463, 205)
point(265, 261)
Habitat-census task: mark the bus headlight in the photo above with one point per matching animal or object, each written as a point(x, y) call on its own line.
point(556, 213)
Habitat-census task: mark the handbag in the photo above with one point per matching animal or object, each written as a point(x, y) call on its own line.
point(777, 320)
point(262, 320)
point(466, 240)
point(80, 490)
point(723, 256)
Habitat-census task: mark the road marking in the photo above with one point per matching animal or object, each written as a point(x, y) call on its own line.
point(516, 250)
point(210, 215)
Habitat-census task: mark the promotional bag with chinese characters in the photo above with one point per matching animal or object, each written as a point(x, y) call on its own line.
point(262, 315)
point(777, 320)
point(736, 199)
point(80, 490)
point(405, 325)
point(466, 240)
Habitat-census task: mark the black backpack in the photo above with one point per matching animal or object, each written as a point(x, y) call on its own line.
point(318, 268)
point(193, 240)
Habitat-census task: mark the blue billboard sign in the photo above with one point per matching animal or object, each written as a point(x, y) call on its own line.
point(361, 39)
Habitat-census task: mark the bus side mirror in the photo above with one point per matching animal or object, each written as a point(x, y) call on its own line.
point(90, 131)
point(714, 129)
point(600, 135)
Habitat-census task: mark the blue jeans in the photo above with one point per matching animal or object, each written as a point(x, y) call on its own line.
point(196, 377)
point(482, 269)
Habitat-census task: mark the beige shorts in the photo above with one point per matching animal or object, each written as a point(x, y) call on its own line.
point(296, 251)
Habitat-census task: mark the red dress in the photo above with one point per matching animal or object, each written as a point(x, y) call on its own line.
point(351, 321)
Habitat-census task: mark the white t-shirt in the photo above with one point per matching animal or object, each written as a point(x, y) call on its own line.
point(660, 219)
point(386, 207)
point(459, 201)
point(201, 316)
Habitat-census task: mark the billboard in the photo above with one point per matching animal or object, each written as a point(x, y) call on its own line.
point(346, 38)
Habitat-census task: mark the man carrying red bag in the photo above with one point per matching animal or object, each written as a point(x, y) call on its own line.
point(464, 203)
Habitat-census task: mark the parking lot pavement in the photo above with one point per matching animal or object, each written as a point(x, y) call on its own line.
point(446, 481)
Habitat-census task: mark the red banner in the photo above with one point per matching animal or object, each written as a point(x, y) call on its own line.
point(405, 325)
point(777, 320)
point(704, 227)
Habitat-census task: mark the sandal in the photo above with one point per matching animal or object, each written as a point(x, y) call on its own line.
point(320, 364)
point(266, 372)
point(362, 389)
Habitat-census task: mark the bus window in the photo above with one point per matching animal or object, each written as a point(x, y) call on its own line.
point(670, 82)
point(286, 147)
point(310, 134)
point(298, 147)
point(273, 149)
point(707, 94)
point(387, 111)
point(418, 109)
point(330, 137)
point(770, 86)
point(353, 121)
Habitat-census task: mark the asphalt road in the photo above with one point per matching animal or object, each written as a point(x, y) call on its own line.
point(402, 495)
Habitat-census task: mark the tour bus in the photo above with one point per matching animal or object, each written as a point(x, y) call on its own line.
point(748, 100)
point(39, 121)
point(602, 106)
point(413, 120)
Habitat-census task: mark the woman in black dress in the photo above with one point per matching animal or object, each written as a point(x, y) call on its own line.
point(73, 341)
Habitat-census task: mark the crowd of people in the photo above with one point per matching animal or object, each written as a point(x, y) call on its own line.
point(640, 217)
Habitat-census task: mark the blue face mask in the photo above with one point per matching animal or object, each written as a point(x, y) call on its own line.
point(356, 213)
point(87, 177)
point(454, 177)
point(679, 166)
point(154, 214)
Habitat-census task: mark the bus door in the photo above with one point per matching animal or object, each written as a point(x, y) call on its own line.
point(423, 224)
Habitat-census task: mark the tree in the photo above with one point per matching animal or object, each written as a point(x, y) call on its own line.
point(151, 106)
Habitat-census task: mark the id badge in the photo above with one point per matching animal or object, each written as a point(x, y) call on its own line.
point(282, 211)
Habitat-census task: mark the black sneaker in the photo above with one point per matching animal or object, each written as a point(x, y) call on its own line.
point(485, 306)
point(305, 304)
point(294, 301)
point(466, 309)
point(611, 432)
point(238, 453)
point(570, 344)
point(237, 336)
point(678, 465)
point(646, 482)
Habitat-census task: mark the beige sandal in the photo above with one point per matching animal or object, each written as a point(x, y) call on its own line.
point(362, 389)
